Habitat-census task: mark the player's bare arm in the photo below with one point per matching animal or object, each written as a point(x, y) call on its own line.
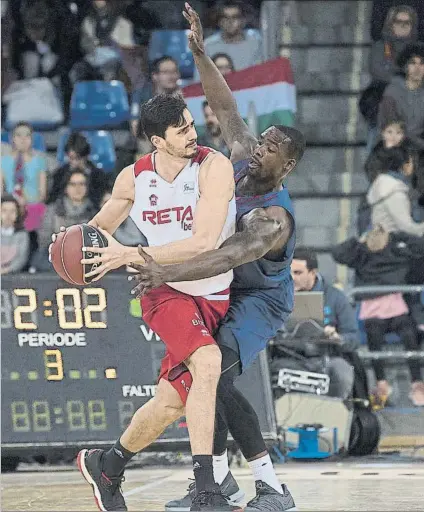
point(117, 209)
point(235, 131)
point(216, 185)
point(263, 232)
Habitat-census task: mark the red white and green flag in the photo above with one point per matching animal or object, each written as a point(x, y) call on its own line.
point(270, 86)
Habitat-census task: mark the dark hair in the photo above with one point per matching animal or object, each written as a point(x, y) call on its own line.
point(298, 143)
point(8, 198)
point(383, 160)
point(389, 122)
point(72, 173)
point(155, 65)
point(228, 4)
point(308, 255)
point(223, 56)
point(78, 143)
point(410, 50)
point(23, 123)
point(161, 112)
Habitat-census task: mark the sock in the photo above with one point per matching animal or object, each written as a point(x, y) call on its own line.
point(115, 460)
point(203, 473)
point(263, 469)
point(220, 467)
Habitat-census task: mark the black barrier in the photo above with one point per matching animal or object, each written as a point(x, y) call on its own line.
point(77, 362)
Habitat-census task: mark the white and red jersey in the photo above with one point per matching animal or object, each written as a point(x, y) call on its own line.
point(164, 212)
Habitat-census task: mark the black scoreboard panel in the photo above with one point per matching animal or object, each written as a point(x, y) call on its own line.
point(77, 363)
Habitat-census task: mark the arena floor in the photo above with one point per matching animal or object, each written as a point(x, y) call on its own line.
point(347, 486)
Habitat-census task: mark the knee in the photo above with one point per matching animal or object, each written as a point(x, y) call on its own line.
point(167, 406)
point(205, 363)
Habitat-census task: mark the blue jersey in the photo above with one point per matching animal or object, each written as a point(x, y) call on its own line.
point(262, 292)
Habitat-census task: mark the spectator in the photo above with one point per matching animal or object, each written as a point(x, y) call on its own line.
point(164, 77)
point(339, 317)
point(379, 12)
point(213, 136)
point(400, 28)
point(243, 46)
point(127, 233)
point(388, 195)
point(23, 175)
point(77, 151)
point(35, 44)
point(404, 96)
point(73, 207)
point(383, 258)
point(14, 239)
point(223, 62)
point(103, 32)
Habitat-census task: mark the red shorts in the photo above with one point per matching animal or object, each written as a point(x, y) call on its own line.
point(184, 323)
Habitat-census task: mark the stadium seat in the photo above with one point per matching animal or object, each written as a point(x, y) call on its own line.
point(102, 149)
point(99, 105)
point(38, 142)
point(175, 44)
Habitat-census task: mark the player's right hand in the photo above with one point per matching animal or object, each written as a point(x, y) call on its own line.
point(150, 275)
point(54, 236)
point(195, 36)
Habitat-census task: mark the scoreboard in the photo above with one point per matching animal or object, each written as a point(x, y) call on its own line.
point(77, 363)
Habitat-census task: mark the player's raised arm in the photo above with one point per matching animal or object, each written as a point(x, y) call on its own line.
point(117, 209)
point(217, 92)
point(261, 233)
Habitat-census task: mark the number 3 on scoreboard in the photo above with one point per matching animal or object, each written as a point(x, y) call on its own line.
point(53, 363)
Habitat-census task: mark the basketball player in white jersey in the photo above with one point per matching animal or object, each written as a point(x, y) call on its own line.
point(181, 197)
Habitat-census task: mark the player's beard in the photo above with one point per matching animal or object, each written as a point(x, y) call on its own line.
point(187, 153)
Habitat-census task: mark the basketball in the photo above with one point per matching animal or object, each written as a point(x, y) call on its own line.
point(66, 252)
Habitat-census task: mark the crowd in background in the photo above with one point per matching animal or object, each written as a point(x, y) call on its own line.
point(69, 41)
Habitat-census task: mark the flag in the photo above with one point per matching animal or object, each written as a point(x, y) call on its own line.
point(270, 86)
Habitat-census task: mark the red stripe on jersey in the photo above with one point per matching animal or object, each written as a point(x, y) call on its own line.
point(202, 153)
point(143, 164)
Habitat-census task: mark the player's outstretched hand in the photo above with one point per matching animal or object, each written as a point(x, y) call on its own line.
point(150, 275)
point(195, 36)
point(54, 236)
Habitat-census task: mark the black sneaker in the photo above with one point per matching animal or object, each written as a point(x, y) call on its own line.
point(107, 491)
point(212, 501)
point(229, 489)
point(268, 499)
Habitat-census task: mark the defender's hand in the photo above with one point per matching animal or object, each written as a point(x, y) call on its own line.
point(195, 36)
point(109, 258)
point(151, 275)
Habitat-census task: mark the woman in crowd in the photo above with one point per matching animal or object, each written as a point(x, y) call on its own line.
point(14, 239)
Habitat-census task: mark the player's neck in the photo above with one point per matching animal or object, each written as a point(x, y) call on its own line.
point(168, 167)
point(252, 186)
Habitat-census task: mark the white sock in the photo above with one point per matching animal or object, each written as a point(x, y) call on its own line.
point(263, 469)
point(220, 467)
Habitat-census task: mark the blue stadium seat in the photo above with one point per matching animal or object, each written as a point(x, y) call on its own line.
point(38, 141)
point(99, 105)
point(175, 44)
point(102, 149)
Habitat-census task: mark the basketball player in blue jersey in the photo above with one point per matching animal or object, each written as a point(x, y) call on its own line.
point(262, 292)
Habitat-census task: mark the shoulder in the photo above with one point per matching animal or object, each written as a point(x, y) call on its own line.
point(385, 184)
point(124, 184)
point(274, 216)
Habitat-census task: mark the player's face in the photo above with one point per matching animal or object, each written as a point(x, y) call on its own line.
point(271, 157)
point(181, 141)
point(304, 279)
point(22, 139)
point(392, 135)
point(9, 214)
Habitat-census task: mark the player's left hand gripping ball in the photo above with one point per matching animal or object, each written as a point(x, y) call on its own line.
point(109, 258)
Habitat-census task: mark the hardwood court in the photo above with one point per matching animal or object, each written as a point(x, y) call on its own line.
point(315, 486)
